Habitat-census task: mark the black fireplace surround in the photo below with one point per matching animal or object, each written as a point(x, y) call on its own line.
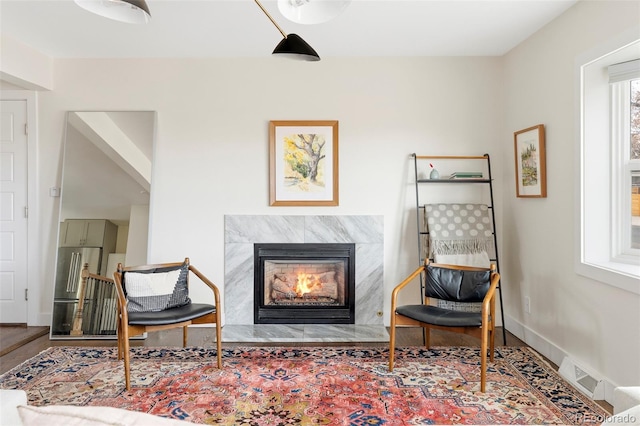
point(335, 303)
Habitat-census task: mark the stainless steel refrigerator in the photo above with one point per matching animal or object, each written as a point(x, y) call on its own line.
point(67, 287)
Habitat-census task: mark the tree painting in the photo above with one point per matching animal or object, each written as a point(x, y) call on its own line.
point(531, 179)
point(304, 168)
point(529, 159)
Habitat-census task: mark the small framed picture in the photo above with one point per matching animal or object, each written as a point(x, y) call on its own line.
point(303, 163)
point(531, 172)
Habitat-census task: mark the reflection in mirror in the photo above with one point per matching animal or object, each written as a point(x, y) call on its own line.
point(104, 216)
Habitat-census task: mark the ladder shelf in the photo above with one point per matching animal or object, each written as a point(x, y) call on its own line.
point(423, 233)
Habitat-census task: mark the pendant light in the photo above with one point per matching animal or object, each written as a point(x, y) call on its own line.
point(311, 11)
point(292, 45)
point(130, 11)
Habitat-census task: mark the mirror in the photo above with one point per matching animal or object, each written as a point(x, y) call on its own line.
point(104, 215)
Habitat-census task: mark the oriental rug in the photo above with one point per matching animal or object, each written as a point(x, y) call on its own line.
point(309, 385)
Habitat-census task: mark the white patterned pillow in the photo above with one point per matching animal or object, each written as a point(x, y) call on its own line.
point(157, 290)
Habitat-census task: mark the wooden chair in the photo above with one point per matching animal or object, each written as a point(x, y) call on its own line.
point(166, 306)
point(453, 284)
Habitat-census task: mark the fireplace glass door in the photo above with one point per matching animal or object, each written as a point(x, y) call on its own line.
point(304, 283)
point(312, 283)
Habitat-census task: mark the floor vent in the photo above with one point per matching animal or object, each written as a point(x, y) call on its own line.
point(581, 380)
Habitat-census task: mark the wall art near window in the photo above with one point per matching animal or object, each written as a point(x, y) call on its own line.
point(531, 173)
point(303, 163)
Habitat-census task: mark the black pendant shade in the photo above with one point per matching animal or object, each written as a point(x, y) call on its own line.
point(295, 47)
point(292, 45)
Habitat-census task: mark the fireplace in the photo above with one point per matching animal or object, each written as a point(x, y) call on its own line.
point(304, 283)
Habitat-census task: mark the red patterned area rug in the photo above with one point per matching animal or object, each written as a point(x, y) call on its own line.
point(319, 386)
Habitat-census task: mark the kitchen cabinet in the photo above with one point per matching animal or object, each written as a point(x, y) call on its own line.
point(87, 232)
point(84, 233)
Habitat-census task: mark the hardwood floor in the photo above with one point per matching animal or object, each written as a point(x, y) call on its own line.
point(14, 336)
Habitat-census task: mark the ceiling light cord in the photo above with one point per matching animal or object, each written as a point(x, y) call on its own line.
point(271, 19)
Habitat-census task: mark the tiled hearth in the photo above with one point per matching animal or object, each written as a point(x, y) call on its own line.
point(291, 333)
point(242, 231)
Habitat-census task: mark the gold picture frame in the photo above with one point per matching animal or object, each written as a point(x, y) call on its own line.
point(303, 163)
point(531, 171)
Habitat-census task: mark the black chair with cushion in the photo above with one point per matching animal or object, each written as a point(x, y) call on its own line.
point(457, 298)
point(156, 297)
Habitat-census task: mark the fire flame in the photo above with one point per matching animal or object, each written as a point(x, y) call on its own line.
point(306, 284)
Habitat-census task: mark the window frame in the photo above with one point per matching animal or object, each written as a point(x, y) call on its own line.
point(598, 178)
point(623, 167)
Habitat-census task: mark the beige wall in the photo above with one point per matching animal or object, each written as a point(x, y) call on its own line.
point(596, 323)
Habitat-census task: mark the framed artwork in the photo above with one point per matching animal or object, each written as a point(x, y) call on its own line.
point(303, 163)
point(531, 172)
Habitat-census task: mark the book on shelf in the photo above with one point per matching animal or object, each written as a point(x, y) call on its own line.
point(466, 175)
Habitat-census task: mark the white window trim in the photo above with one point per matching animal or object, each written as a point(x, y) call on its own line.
point(622, 168)
point(594, 238)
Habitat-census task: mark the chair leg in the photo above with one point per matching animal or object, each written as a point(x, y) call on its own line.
point(127, 360)
point(185, 335)
point(427, 336)
point(392, 341)
point(219, 344)
point(119, 333)
point(483, 359)
point(119, 336)
point(492, 343)
point(120, 350)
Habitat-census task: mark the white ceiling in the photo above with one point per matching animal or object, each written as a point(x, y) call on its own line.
point(238, 28)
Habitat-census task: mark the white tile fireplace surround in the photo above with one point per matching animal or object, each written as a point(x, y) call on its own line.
point(242, 231)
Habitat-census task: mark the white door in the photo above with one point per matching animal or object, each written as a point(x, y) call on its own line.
point(13, 211)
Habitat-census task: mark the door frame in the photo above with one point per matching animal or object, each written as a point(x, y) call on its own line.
point(34, 284)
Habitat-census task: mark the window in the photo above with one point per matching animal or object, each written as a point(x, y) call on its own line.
point(634, 159)
point(609, 168)
point(625, 142)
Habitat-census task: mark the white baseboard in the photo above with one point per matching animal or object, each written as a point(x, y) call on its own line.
point(43, 319)
point(549, 349)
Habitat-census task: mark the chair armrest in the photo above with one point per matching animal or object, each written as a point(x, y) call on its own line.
point(122, 299)
point(208, 282)
point(396, 290)
point(488, 300)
